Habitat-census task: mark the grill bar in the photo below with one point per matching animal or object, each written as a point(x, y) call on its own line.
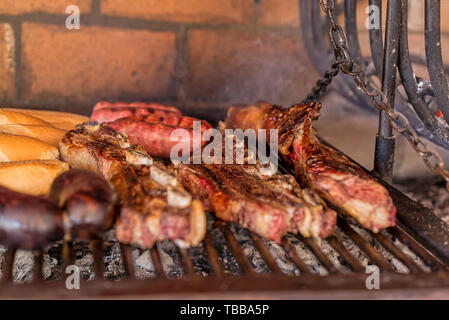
point(215, 263)
point(396, 252)
point(367, 248)
point(98, 253)
point(266, 255)
point(355, 265)
point(321, 257)
point(156, 259)
point(127, 254)
point(418, 249)
point(291, 251)
point(37, 267)
point(242, 260)
point(189, 271)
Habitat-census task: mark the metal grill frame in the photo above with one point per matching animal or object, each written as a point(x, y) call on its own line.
point(418, 228)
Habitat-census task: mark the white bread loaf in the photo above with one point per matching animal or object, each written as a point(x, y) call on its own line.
point(32, 176)
point(47, 134)
point(13, 117)
point(58, 119)
point(17, 148)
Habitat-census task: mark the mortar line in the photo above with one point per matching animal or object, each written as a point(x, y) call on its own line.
point(96, 8)
point(181, 64)
point(17, 29)
point(135, 23)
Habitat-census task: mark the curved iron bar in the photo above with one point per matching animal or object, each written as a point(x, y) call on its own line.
point(376, 42)
point(351, 31)
point(313, 35)
point(434, 56)
point(411, 86)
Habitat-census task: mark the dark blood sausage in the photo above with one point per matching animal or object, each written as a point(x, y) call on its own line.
point(88, 202)
point(28, 222)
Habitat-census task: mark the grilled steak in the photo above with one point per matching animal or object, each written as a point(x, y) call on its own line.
point(269, 205)
point(150, 125)
point(155, 206)
point(325, 170)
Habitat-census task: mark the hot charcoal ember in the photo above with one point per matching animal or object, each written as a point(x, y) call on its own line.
point(325, 170)
point(200, 261)
point(154, 206)
point(149, 125)
point(268, 204)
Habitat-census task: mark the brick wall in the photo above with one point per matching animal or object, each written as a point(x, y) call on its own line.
point(197, 54)
point(200, 55)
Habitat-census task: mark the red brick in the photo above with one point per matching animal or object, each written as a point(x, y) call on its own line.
point(234, 66)
point(279, 13)
point(211, 11)
point(53, 6)
point(7, 64)
point(95, 63)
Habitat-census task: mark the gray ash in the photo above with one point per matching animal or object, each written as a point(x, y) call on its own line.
point(224, 252)
point(114, 267)
point(171, 259)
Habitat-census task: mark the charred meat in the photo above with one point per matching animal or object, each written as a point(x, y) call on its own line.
point(325, 170)
point(154, 205)
point(268, 204)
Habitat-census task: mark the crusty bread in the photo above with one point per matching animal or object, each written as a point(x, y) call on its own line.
point(58, 119)
point(17, 148)
point(13, 117)
point(47, 134)
point(32, 176)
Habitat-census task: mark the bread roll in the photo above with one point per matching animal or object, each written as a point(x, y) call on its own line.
point(13, 117)
point(17, 148)
point(32, 177)
point(47, 134)
point(58, 119)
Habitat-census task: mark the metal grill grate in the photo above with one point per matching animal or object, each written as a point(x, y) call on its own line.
point(419, 269)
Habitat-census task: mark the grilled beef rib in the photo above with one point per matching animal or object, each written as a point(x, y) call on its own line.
point(269, 205)
point(327, 171)
point(154, 205)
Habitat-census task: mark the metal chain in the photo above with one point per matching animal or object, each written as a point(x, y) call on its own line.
point(322, 84)
point(345, 63)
